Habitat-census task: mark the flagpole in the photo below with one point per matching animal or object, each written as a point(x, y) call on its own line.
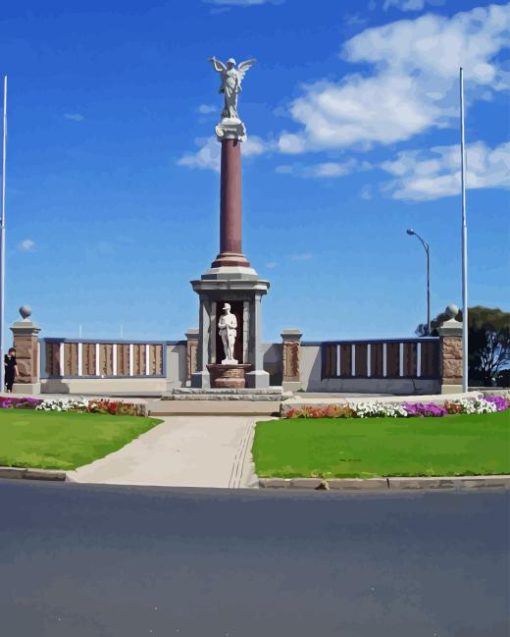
point(464, 243)
point(2, 242)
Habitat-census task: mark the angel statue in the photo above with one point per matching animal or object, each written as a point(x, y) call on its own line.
point(231, 79)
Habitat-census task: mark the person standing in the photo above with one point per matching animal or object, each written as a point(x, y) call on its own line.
point(11, 369)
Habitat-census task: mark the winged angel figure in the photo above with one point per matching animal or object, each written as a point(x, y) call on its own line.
point(231, 79)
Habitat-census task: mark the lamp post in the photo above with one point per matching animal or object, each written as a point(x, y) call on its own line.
point(2, 240)
point(426, 246)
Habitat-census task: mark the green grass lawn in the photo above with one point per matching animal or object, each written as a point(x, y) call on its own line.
point(477, 444)
point(63, 440)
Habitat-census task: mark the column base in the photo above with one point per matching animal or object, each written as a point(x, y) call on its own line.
point(292, 385)
point(230, 259)
point(257, 379)
point(201, 380)
point(451, 389)
point(26, 389)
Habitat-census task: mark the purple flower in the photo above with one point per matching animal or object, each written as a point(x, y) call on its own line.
point(502, 404)
point(424, 409)
point(19, 403)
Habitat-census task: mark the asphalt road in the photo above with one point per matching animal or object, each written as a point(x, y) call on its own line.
point(91, 560)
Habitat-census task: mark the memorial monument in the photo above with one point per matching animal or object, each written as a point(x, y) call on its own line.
point(229, 346)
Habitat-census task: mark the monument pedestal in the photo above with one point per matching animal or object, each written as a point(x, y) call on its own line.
point(225, 376)
point(243, 290)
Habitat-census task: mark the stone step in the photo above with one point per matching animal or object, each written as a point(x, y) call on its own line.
point(271, 394)
point(214, 407)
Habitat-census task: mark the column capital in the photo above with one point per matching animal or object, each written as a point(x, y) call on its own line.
point(291, 334)
point(25, 327)
point(450, 328)
point(192, 334)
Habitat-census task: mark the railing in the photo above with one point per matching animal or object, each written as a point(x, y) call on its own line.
point(92, 358)
point(385, 358)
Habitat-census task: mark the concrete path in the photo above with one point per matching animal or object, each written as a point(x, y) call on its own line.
point(183, 451)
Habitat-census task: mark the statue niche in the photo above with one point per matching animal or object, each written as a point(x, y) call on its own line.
point(236, 308)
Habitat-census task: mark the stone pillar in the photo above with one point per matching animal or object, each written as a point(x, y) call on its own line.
point(258, 378)
point(291, 358)
point(450, 348)
point(191, 353)
point(201, 377)
point(231, 252)
point(25, 337)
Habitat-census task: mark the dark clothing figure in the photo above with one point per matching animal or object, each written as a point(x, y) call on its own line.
point(10, 371)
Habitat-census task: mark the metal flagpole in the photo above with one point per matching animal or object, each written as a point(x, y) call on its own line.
point(464, 242)
point(2, 242)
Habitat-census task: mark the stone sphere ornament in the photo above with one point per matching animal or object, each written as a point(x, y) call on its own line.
point(25, 311)
point(452, 310)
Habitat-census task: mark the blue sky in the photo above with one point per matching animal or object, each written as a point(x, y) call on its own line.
point(352, 117)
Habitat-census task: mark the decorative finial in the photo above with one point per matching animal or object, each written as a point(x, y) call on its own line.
point(451, 310)
point(25, 311)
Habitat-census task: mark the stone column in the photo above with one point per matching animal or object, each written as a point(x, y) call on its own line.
point(201, 377)
point(231, 252)
point(191, 353)
point(291, 358)
point(450, 347)
point(258, 378)
point(25, 337)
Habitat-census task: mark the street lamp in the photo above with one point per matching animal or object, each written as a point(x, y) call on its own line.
point(426, 246)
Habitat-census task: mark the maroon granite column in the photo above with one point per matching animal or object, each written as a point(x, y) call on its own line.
point(231, 253)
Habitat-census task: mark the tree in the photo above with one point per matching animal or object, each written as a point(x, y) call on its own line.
point(488, 342)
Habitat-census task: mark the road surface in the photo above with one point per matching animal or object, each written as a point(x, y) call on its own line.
point(92, 560)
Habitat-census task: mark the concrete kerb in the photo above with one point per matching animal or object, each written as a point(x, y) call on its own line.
point(21, 473)
point(393, 483)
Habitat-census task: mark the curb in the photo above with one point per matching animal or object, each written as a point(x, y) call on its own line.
point(394, 484)
point(20, 473)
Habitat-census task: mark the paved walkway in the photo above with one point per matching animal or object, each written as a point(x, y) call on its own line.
point(183, 451)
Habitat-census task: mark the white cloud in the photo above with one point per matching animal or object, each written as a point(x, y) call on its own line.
point(328, 169)
point(291, 143)
point(271, 265)
point(333, 169)
point(27, 245)
point(366, 192)
point(354, 20)
point(413, 84)
point(74, 117)
point(208, 156)
point(254, 146)
point(424, 175)
point(206, 109)
point(410, 5)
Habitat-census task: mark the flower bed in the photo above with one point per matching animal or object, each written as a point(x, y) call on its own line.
point(91, 406)
point(94, 406)
point(486, 405)
point(10, 402)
